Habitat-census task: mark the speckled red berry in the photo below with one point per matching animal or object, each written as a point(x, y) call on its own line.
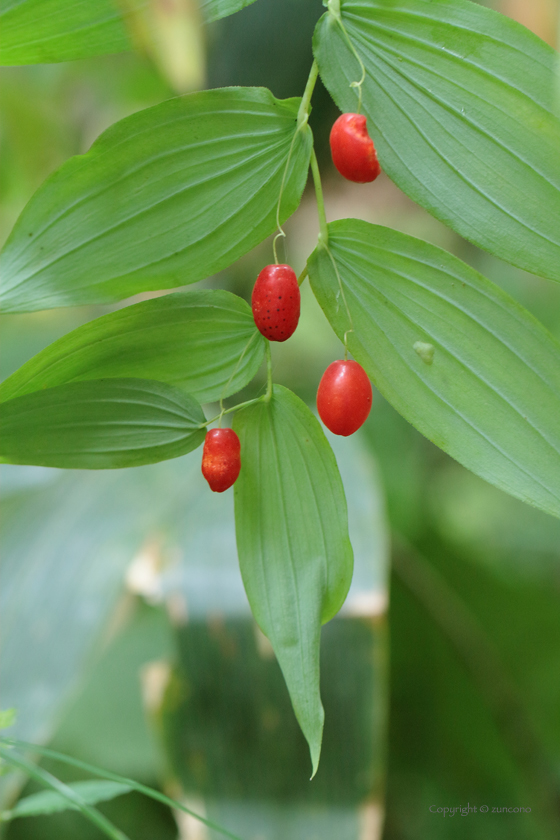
point(344, 397)
point(221, 459)
point(276, 302)
point(352, 149)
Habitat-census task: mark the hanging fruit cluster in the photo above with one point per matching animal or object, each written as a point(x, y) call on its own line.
point(344, 396)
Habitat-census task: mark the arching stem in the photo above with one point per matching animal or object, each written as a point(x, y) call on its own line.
point(323, 230)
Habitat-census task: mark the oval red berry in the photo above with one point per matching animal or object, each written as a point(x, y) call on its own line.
point(352, 149)
point(221, 459)
point(344, 397)
point(276, 302)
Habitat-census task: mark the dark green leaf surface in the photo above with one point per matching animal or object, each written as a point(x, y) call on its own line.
point(460, 103)
point(203, 341)
point(165, 197)
point(44, 31)
point(292, 540)
point(101, 424)
point(490, 396)
point(50, 801)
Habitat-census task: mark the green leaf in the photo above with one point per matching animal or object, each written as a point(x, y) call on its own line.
point(488, 392)
point(460, 103)
point(216, 9)
point(100, 424)
point(292, 540)
point(203, 341)
point(45, 31)
point(164, 197)
point(97, 771)
point(49, 781)
point(50, 801)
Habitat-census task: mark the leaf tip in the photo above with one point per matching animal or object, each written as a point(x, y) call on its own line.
point(315, 741)
point(315, 758)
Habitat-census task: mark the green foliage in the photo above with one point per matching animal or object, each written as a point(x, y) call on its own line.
point(65, 792)
point(101, 424)
point(489, 390)
point(43, 31)
point(50, 801)
point(461, 105)
point(216, 9)
point(292, 537)
point(163, 198)
point(48, 780)
point(204, 342)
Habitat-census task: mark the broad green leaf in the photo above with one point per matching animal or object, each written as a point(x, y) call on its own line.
point(456, 356)
point(45, 31)
point(164, 197)
point(292, 540)
point(50, 801)
point(203, 341)
point(460, 103)
point(100, 424)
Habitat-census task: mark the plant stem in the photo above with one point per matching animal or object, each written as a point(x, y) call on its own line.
point(302, 118)
point(334, 9)
point(236, 368)
point(302, 276)
point(303, 113)
point(237, 407)
point(323, 230)
point(268, 395)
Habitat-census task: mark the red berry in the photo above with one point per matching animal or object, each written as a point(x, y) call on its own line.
point(276, 302)
point(352, 149)
point(344, 397)
point(221, 459)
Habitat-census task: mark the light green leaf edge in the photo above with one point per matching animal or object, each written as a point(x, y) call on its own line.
point(203, 341)
point(488, 389)
point(100, 424)
point(460, 102)
point(50, 801)
point(165, 197)
point(46, 31)
point(292, 539)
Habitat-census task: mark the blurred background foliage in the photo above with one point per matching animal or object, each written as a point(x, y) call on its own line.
point(127, 638)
